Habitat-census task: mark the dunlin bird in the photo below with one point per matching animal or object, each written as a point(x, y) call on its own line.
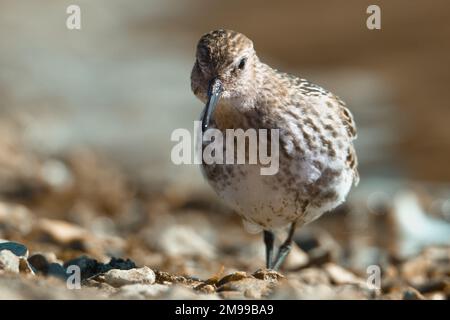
point(317, 160)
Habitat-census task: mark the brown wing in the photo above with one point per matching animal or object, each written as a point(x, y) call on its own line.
point(347, 119)
point(308, 88)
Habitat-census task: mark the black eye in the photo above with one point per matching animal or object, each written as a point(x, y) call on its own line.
point(242, 63)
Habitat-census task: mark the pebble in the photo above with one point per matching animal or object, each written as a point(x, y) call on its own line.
point(56, 174)
point(57, 270)
point(270, 275)
point(205, 288)
point(296, 259)
point(412, 294)
point(61, 232)
point(142, 291)
point(165, 277)
point(312, 276)
point(16, 217)
point(25, 267)
point(9, 262)
point(319, 256)
point(39, 262)
point(118, 278)
point(232, 277)
point(88, 267)
point(180, 240)
point(180, 292)
point(340, 275)
point(232, 295)
point(295, 289)
point(18, 249)
point(251, 287)
point(307, 240)
point(103, 286)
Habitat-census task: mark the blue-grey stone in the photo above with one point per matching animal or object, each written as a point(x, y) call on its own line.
point(57, 270)
point(18, 249)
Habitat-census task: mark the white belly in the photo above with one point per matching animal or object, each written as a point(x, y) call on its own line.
point(299, 191)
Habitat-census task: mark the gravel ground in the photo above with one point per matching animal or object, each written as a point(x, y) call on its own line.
point(80, 215)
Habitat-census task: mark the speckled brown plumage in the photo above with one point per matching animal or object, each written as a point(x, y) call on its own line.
point(318, 162)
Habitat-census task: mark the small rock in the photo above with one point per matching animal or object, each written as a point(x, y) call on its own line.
point(412, 294)
point(232, 277)
point(117, 278)
point(435, 296)
point(39, 263)
point(415, 270)
point(250, 287)
point(205, 288)
point(296, 259)
point(62, 232)
point(9, 262)
point(141, 291)
point(307, 240)
point(341, 276)
point(51, 257)
point(363, 256)
point(319, 256)
point(25, 267)
point(118, 263)
point(166, 278)
point(88, 267)
point(75, 237)
point(56, 174)
point(232, 295)
point(295, 289)
point(179, 292)
point(265, 274)
point(99, 285)
point(179, 240)
point(18, 249)
point(57, 270)
point(47, 264)
point(353, 292)
point(16, 217)
point(313, 276)
point(432, 285)
point(216, 277)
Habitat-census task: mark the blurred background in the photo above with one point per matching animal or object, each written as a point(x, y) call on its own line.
point(86, 117)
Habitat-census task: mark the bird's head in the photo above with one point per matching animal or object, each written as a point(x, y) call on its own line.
point(224, 69)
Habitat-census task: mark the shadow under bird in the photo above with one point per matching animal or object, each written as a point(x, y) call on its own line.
point(317, 159)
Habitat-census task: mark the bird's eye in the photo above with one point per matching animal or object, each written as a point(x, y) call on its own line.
point(242, 63)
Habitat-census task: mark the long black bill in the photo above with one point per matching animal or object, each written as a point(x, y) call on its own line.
point(214, 92)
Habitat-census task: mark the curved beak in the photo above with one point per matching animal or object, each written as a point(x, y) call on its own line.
point(214, 93)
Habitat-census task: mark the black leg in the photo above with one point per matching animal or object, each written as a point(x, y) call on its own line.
point(269, 242)
point(285, 248)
